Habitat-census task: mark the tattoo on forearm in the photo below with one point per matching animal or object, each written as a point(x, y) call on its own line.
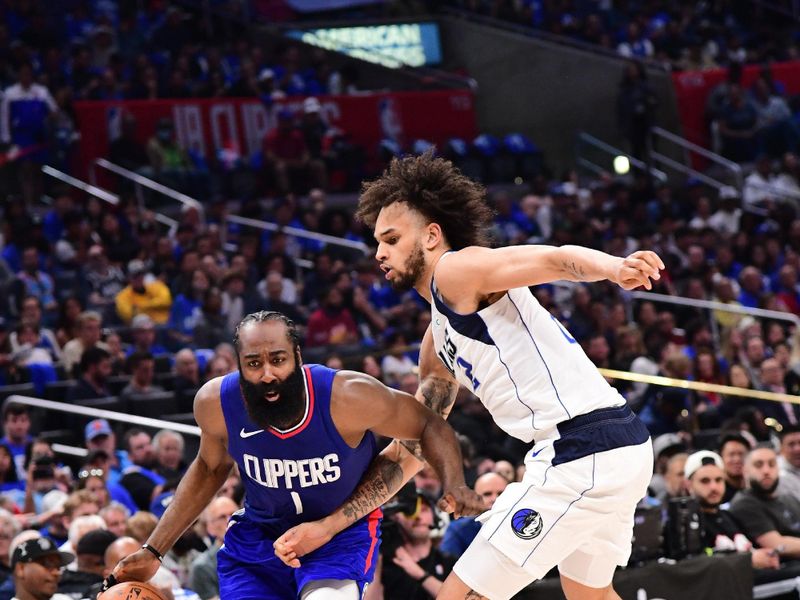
point(381, 482)
point(438, 394)
point(414, 447)
point(573, 269)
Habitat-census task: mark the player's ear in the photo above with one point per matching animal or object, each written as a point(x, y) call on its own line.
point(298, 357)
point(433, 236)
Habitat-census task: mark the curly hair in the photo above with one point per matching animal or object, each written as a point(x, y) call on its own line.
point(439, 191)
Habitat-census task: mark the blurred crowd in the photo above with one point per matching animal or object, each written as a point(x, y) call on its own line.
point(104, 306)
point(678, 35)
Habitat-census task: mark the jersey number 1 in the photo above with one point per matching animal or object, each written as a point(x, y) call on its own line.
point(298, 504)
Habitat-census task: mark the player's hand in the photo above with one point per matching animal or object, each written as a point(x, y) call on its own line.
point(638, 269)
point(139, 566)
point(461, 502)
point(300, 540)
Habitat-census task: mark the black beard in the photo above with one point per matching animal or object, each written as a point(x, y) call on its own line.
point(414, 266)
point(283, 413)
point(761, 491)
point(708, 506)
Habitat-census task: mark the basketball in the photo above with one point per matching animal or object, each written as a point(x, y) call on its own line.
point(132, 590)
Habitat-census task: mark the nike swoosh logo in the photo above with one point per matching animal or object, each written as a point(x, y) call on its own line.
point(533, 454)
point(246, 434)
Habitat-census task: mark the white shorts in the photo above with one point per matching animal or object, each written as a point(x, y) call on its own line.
point(576, 515)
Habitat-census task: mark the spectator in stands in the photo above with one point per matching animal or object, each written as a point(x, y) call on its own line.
point(636, 104)
point(90, 550)
point(271, 298)
point(187, 372)
point(51, 519)
point(186, 309)
point(233, 299)
point(9, 528)
point(725, 220)
point(37, 283)
point(24, 113)
point(168, 447)
point(95, 369)
point(139, 445)
point(789, 461)
point(141, 525)
point(119, 243)
point(721, 532)
point(100, 436)
point(752, 355)
point(78, 505)
point(772, 376)
point(116, 516)
point(460, 533)
point(662, 405)
point(80, 527)
point(396, 363)
point(104, 280)
point(169, 162)
point(142, 368)
point(417, 568)
point(126, 151)
point(93, 480)
point(31, 314)
point(759, 186)
point(286, 156)
point(210, 328)
point(733, 449)
point(36, 565)
point(17, 436)
point(674, 479)
point(331, 323)
point(775, 125)
point(738, 127)
point(203, 577)
point(140, 297)
point(143, 332)
point(770, 519)
point(90, 327)
point(8, 471)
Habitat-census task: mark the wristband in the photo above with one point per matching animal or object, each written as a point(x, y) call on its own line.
point(425, 575)
point(155, 552)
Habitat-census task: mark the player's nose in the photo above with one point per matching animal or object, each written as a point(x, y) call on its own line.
point(380, 253)
point(267, 376)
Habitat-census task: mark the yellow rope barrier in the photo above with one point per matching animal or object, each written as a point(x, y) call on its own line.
point(700, 386)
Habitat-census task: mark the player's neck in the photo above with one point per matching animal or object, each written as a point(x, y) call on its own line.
point(423, 286)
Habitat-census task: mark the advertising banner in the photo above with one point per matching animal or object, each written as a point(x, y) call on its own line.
point(205, 125)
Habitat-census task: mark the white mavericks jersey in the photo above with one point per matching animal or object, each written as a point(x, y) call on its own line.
point(525, 367)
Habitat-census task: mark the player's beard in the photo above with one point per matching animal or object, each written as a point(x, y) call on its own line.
point(761, 491)
point(283, 413)
point(412, 270)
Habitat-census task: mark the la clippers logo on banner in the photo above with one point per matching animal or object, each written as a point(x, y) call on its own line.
point(205, 125)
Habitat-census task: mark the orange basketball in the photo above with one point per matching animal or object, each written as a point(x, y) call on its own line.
point(132, 590)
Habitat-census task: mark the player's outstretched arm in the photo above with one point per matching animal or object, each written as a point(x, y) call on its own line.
point(203, 479)
point(488, 270)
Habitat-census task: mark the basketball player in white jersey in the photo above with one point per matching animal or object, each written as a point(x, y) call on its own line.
point(592, 458)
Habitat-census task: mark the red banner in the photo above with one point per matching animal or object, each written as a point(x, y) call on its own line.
point(204, 125)
point(693, 87)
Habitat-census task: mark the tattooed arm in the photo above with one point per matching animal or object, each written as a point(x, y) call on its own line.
point(390, 470)
point(437, 390)
point(476, 272)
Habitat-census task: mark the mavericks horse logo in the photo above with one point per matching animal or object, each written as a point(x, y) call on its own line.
point(526, 523)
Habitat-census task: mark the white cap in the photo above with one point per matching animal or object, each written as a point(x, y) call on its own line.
point(53, 499)
point(701, 459)
point(728, 192)
point(311, 105)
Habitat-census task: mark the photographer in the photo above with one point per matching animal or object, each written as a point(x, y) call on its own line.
point(411, 568)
